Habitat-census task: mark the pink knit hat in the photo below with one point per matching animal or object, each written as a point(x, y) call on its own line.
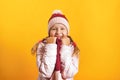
point(58, 17)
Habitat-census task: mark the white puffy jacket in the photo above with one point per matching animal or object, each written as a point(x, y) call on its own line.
point(46, 59)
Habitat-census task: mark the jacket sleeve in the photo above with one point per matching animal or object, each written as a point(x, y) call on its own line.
point(69, 63)
point(46, 59)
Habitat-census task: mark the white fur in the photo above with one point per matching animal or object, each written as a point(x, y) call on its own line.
point(46, 62)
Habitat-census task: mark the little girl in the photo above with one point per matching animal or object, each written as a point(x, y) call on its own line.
point(57, 55)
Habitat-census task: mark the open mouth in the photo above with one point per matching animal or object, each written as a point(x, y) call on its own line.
point(59, 37)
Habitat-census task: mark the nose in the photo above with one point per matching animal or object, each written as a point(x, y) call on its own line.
point(58, 31)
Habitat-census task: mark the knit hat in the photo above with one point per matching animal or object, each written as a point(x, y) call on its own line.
point(58, 17)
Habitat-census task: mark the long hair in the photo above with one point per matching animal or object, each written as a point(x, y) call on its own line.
point(76, 49)
point(34, 48)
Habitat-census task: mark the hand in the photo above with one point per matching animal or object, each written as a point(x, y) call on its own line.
point(65, 41)
point(51, 40)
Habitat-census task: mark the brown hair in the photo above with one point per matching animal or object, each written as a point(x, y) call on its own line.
point(76, 49)
point(34, 48)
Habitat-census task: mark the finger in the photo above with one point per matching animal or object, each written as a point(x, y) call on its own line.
point(55, 37)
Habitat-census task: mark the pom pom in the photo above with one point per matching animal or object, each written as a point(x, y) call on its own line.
point(57, 12)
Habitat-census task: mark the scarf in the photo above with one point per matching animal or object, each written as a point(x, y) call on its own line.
point(58, 61)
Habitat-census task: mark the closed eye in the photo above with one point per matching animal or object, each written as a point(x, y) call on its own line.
point(53, 29)
point(62, 28)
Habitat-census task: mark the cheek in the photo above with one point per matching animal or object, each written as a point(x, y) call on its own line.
point(65, 33)
point(52, 34)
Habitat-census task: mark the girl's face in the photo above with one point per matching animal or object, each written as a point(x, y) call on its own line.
point(58, 30)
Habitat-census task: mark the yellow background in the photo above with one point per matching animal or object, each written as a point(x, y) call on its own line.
point(95, 27)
